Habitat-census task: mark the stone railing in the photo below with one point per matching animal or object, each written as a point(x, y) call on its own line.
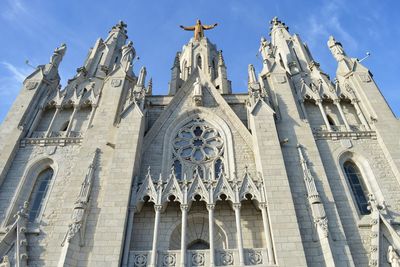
point(197, 258)
point(341, 132)
point(54, 138)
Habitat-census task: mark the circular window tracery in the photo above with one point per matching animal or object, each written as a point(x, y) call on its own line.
point(198, 142)
point(197, 149)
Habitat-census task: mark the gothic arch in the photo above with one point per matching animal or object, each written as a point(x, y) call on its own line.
point(193, 234)
point(368, 177)
point(210, 118)
point(27, 183)
point(199, 61)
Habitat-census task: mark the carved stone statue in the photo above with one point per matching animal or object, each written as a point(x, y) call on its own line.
point(128, 53)
point(197, 93)
point(58, 55)
point(392, 257)
point(265, 49)
point(336, 49)
point(198, 29)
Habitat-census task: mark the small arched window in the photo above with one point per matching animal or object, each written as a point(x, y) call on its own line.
point(39, 193)
point(355, 179)
point(199, 62)
point(214, 67)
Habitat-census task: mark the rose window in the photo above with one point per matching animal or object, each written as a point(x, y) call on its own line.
point(198, 143)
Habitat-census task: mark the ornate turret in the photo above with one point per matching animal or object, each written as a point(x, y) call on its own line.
point(105, 55)
point(202, 54)
point(292, 53)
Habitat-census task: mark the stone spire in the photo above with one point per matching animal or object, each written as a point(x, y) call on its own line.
point(203, 55)
point(336, 49)
point(176, 80)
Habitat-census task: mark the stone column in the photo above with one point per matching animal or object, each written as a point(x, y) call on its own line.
point(58, 108)
point(210, 208)
point(339, 107)
point(321, 108)
point(71, 118)
point(184, 210)
point(267, 232)
point(360, 114)
point(239, 237)
point(153, 259)
point(128, 236)
point(35, 122)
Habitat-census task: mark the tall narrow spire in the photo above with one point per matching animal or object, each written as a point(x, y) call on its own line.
point(199, 53)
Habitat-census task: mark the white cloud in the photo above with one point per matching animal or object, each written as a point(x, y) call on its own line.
point(19, 73)
point(328, 22)
point(13, 9)
point(10, 83)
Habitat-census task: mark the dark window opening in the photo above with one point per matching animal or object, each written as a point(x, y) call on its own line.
point(39, 193)
point(360, 193)
point(198, 245)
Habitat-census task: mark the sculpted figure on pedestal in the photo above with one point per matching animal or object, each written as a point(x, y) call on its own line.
point(128, 53)
point(265, 49)
point(198, 29)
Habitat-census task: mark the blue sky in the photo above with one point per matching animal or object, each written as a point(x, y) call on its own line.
point(31, 29)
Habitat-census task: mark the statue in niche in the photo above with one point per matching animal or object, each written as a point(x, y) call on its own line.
point(393, 257)
point(197, 93)
point(58, 55)
point(128, 53)
point(265, 49)
point(336, 48)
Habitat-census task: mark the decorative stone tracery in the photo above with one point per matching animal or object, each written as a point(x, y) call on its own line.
point(209, 190)
point(196, 147)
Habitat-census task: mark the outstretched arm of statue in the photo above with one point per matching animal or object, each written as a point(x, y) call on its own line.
point(187, 28)
point(209, 27)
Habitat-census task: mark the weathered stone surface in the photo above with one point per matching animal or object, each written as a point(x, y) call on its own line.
point(134, 173)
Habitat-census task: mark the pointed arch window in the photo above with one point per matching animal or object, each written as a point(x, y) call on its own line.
point(358, 189)
point(39, 193)
point(214, 67)
point(199, 61)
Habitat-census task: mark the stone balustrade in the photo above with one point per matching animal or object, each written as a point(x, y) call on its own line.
point(341, 132)
point(197, 258)
point(53, 138)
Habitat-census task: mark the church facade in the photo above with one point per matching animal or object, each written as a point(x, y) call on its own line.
point(302, 170)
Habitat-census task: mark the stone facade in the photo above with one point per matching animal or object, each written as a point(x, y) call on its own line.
point(300, 171)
